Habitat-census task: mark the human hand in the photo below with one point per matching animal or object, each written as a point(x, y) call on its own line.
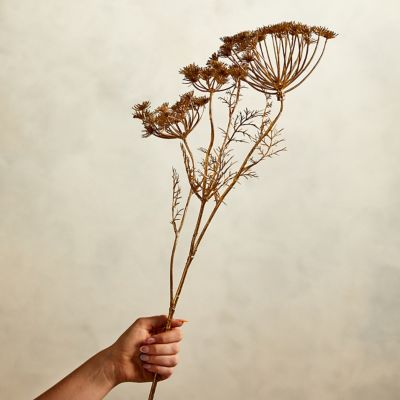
point(143, 349)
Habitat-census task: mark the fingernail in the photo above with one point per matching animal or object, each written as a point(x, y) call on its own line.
point(147, 366)
point(182, 321)
point(144, 349)
point(144, 357)
point(150, 340)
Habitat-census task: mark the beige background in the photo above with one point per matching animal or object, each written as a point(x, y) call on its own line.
point(295, 293)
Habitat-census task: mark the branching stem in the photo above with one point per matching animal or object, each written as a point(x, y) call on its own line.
point(273, 60)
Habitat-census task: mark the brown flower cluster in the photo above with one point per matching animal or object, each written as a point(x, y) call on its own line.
point(276, 58)
point(171, 122)
point(216, 76)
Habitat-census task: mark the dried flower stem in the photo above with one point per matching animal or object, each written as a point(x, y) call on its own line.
point(238, 174)
point(197, 237)
point(272, 60)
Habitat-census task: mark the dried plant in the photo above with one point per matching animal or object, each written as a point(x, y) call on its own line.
point(273, 60)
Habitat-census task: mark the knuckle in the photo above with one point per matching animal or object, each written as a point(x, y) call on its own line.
point(150, 367)
point(151, 349)
point(140, 321)
point(160, 349)
point(175, 348)
point(150, 360)
point(160, 338)
point(154, 349)
point(173, 362)
point(179, 335)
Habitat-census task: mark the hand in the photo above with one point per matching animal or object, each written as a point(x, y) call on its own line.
point(142, 351)
point(121, 361)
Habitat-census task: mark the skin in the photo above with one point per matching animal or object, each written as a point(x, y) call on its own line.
point(136, 355)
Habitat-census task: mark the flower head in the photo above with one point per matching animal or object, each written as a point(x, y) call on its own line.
point(276, 58)
point(171, 122)
point(216, 76)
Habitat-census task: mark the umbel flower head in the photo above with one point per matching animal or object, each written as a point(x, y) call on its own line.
point(216, 76)
point(276, 58)
point(171, 122)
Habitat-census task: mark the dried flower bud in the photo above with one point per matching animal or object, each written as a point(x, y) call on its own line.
point(141, 106)
point(210, 78)
point(214, 57)
point(225, 50)
point(191, 73)
point(238, 72)
point(163, 108)
point(248, 57)
point(326, 33)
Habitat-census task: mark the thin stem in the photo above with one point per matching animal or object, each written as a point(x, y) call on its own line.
point(192, 252)
point(312, 69)
point(174, 246)
point(212, 134)
point(237, 176)
point(232, 108)
point(185, 210)
point(196, 238)
point(306, 63)
point(153, 387)
point(171, 269)
point(191, 179)
point(171, 280)
point(174, 302)
point(262, 61)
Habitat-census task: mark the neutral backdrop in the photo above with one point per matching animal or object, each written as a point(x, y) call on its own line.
point(295, 292)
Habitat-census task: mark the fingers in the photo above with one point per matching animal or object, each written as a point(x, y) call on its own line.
point(164, 372)
point(157, 322)
point(171, 336)
point(160, 349)
point(152, 323)
point(163, 361)
point(177, 322)
point(159, 352)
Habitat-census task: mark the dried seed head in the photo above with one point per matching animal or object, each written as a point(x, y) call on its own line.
point(191, 73)
point(200, 101)
point(326, 33)
point(141, 106)
point(163, 108)
point(218, 70)
point(171, 122)
point(226, 49)
point(248, 57)
point(238, 72)
point(214, 57)
point(277, 56)
point(246, 40)
point(210, 78)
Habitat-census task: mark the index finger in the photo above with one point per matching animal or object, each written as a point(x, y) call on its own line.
point(158, 322)
point(171, 336)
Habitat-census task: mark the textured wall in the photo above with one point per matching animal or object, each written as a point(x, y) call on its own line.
point(295, 294)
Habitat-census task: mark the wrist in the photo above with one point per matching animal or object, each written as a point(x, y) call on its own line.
point(107, 372)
